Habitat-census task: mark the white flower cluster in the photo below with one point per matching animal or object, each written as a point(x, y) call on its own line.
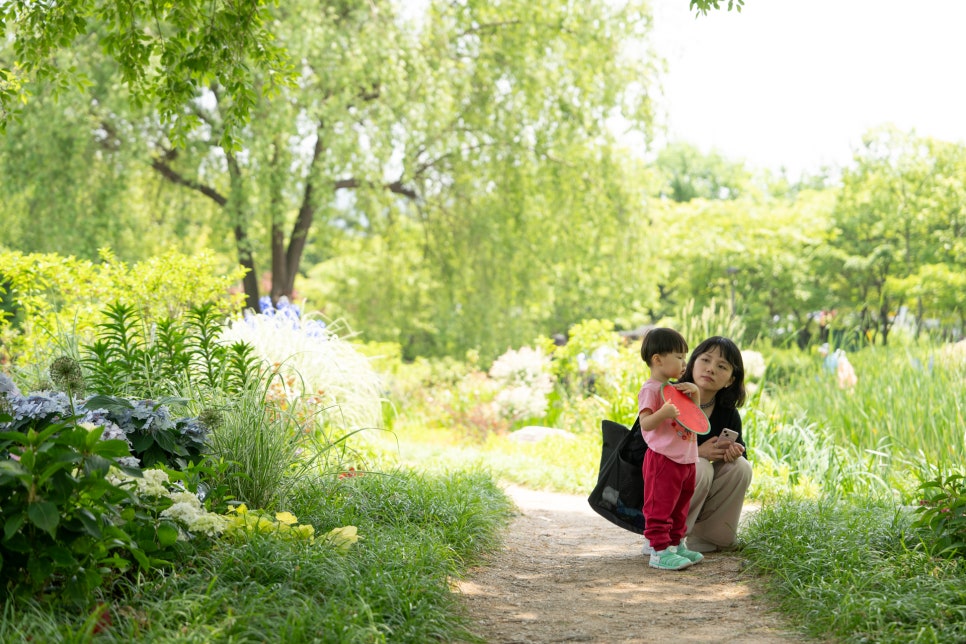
point(525, 382)
point(186, 508)
point(754, 365)
point(187, 511)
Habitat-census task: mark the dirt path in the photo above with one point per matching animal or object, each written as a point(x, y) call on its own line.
point(567, 575)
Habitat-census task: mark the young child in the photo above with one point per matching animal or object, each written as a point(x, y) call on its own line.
point(669, 462)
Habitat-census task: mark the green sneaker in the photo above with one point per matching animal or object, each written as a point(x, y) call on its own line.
point(667, 559)
point(682, 551)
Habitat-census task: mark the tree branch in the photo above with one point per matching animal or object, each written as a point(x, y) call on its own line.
point(165, 170)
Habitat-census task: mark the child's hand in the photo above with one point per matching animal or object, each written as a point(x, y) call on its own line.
point(689, 388)
point(670, 410)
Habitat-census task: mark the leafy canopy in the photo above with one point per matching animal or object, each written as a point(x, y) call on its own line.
point(165, 52)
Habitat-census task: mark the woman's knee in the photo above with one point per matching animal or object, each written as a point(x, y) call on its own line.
point(703, 476)
point(739, 473)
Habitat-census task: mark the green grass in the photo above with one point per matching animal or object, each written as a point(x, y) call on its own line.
point(855, 572)
point(905, 403)
point(418, 533)
point(558, 465)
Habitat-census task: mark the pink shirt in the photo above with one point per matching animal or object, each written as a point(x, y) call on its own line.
point(670, 439)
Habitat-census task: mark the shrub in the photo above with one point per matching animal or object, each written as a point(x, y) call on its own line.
point(148, 429)
point(942, 515)
point(66, 527)
point(523, 383)
point(56, 295)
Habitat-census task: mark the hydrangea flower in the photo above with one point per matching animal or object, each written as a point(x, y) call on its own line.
point(7, 386)
point(187, 511)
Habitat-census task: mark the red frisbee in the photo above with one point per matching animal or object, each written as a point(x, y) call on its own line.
point(690, 416)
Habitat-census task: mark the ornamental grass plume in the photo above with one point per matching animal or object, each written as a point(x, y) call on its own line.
point(314, 362)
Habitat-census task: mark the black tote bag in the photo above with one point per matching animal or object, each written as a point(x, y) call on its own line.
point(619, 493)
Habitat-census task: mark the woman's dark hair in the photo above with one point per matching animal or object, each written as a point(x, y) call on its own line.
point(734, 394)
point(661, 340)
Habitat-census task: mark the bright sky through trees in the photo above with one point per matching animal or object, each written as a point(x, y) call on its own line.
point(796, 83)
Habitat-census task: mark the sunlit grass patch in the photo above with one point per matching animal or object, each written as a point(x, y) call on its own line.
point(854, 571)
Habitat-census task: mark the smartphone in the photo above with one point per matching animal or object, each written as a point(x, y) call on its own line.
point(729, 435)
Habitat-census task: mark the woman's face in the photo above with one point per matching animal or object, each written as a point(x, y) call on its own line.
point(712, 372)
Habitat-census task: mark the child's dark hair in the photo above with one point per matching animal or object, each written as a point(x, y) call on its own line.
point(734, 394)
point(661, 340)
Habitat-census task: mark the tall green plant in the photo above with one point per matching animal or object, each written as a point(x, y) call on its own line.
point(63, 296)
point(711, 320)
point(132, 357)
point(263, 444)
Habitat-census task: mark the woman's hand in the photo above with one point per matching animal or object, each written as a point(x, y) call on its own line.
point(733, 452)
point(715, 449)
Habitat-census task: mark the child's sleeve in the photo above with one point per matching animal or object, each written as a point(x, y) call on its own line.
point(647, 400)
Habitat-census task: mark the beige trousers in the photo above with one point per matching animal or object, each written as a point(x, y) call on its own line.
point(719, 493)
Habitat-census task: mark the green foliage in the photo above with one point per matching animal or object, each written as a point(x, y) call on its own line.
point(704, 6)
point(461, 507)
point(713, 319)
point(419, 533)
point(259, 443)
point(134, 356)
point(878, 414)
point(64, 296)
point(688, 174)
point(64, 522)
point(942, 515)
point(570, 363)
point(791, 368)
point(420, 127)
point(165, 54)
point(852, 572)
point(892, 223)
point(155, 437)
point(153, 434)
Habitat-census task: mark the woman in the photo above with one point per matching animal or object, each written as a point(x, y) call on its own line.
point(723, 473)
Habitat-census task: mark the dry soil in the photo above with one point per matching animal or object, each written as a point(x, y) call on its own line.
point(565, 574)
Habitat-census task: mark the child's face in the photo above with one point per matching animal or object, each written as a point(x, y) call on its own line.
point(669, 365)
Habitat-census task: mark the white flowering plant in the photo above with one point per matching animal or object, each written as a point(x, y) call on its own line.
point(523, 379)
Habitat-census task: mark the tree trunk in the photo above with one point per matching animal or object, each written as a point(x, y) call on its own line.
point(884, 322)
point(238, 213)
point(303, 223)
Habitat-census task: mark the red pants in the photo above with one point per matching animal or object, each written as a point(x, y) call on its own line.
point(668, 487)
